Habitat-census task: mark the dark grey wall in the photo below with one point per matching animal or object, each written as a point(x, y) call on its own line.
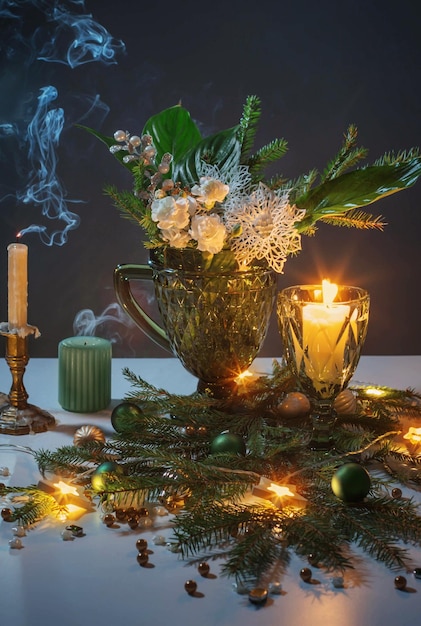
point(316, 66)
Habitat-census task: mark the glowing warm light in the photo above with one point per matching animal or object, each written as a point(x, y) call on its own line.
point(413, 435)
point(327, 293)
point(329, 290)
point(244, 375)
point(74, 511)
point(324, 339)
point(372, 391)
point(66, 489)
point(280, 490)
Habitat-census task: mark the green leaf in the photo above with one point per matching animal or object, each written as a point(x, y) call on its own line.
point(173, 131)
point(222, 149)
point(357, 189)
point(109, 141)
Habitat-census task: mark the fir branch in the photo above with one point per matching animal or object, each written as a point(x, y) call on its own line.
point(347, 157)
point(248, 125)
point(372, 525)
point(37, 506)
point(403, 156)
point(128, 204)
point(355, 219)
point(264, 156)
point(71, 460)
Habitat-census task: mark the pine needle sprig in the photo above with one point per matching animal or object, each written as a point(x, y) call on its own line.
point(403, 156)
point(348, 156)
point(130, 206)
point(372, 525)
point(67, 460)
point(355, 219)
point(248, 125)
point(266, 155)
point(38, 505)
point(249, 553)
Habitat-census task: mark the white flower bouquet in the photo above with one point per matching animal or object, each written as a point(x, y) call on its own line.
point(211, 194)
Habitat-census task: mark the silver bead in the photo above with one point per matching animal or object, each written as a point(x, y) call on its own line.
point(338, 582)
point(16, 543)
point(120, 135)
point(159, 540)
point(67, 535)
point(275, 588)
point(149, 152)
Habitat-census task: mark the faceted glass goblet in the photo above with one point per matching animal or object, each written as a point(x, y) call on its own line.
point(322, 345)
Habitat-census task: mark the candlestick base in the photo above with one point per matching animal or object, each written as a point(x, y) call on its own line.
point(17, 416)
point(25, 421)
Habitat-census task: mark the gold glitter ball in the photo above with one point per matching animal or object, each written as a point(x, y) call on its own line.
point(86, 434)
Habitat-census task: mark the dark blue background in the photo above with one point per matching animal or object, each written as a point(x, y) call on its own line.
point(317, 67)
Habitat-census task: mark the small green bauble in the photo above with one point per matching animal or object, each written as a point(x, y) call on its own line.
point(228, 443)
point(122, 413)
point(103, 474)
point(351, 482)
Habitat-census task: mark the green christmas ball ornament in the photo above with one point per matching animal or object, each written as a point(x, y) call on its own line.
point(104, 473)
point(228, 443)
point(123, 414)
point(351, 482)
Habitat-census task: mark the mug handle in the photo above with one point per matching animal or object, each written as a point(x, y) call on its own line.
point(123, 274)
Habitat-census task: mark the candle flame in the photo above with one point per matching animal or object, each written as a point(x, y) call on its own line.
point(329, 291)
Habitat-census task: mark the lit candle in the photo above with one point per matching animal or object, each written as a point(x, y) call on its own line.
point(323, 324)
point(17, 286)
point(84, 368)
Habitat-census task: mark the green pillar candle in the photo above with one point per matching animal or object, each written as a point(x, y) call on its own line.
point(84, 374)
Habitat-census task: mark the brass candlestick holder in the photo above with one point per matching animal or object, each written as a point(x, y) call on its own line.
point(17, 417)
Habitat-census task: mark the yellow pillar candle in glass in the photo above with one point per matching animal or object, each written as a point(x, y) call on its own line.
point(323, 335)
point(84, 370)
point(17, 304)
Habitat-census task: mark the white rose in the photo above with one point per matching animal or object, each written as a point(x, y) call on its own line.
point(210, 191)
point(176, 238)
point(170, 212)
point(209, 232)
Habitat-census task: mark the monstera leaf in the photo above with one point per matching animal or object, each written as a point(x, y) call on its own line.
point(173, 131)
point(357, 189)
point(222, 149)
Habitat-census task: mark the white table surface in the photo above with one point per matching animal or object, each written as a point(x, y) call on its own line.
point(95, 579)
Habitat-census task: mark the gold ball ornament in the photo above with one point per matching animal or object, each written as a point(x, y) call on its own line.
point(295, 404)
point(345, 403)
point(85, 434)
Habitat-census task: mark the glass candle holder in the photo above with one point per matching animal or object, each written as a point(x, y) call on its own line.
point(323, 339)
